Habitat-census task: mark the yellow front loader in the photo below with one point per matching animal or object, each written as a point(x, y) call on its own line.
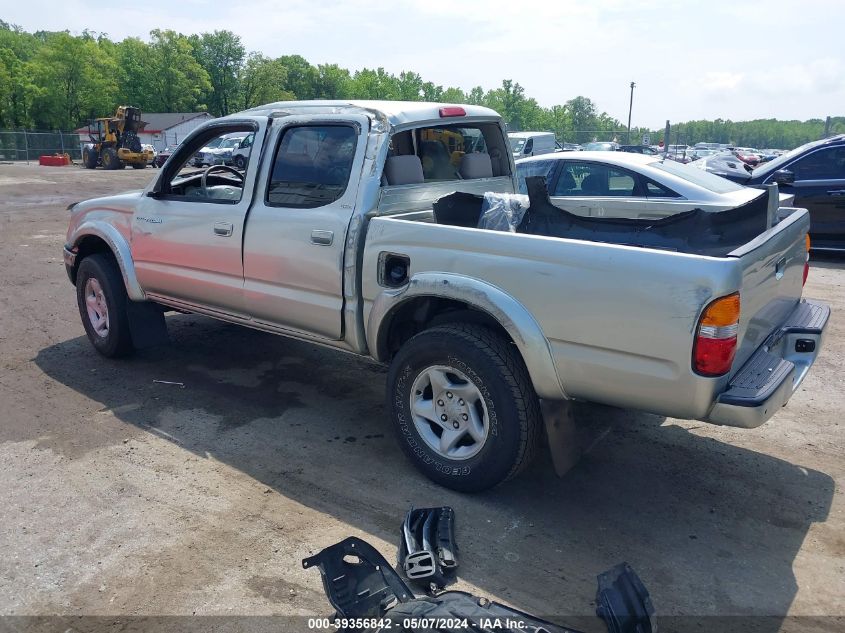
point(115, 143)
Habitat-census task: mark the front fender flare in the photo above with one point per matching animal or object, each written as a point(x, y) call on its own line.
point(505, 309)
point(119, 248)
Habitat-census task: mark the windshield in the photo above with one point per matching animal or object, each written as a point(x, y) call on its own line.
point(230, 143)
point(704, 179)
point(598, 147)
point(783, 159)
point(517, 144)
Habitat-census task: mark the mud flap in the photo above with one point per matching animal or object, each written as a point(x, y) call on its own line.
point(146, 324)
point(565, 442)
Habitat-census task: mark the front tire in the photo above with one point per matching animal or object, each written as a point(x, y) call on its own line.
point(109, 158)
point(463, 406)
point(101, 297)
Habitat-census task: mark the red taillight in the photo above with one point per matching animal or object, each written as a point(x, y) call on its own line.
point(715, 341)
point(714, 356)
point(452, 111)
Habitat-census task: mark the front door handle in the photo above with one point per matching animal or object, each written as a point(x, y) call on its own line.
point(323, 238)
point(223, 229)
point(838, 192)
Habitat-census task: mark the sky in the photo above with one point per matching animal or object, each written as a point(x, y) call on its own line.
point(736, 59)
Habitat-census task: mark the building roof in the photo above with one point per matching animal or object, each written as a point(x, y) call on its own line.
point(160, 121)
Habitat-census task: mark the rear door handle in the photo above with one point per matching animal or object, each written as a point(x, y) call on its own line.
point(838, 192)
point(224, 229)
point(323, 238)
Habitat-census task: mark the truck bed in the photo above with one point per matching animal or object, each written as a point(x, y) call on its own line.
point(619, 318)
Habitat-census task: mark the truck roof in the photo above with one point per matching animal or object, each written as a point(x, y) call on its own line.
point(396, 112)
point(529, 134)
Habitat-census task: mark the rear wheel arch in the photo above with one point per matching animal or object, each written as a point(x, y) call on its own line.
point(433, 299)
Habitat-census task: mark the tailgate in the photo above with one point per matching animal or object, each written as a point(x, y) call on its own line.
point(772, 269)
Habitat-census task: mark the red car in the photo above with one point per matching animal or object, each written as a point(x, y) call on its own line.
point(163, 155)
point(747, 155)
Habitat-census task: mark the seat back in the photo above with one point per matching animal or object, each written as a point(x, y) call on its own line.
point(592, 186)
point(403, 170)
point(477, 165)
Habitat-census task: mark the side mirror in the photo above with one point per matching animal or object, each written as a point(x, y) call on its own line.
point(783, 177)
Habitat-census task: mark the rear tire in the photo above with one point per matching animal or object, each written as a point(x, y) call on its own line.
point(240, 163)
point(110, 159)
point(463, 406)
point(102, 300)
point(139, 165)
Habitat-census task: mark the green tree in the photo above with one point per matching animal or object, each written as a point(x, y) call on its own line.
point(374, 84)
point(222, 55)
point(135, 73)
point(177, 80)
point(476, 96)
point(332, 82)
point(301, 76)
point(75, 79)
point(261, 81)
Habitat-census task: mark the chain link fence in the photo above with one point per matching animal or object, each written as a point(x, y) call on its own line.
point(28, 145)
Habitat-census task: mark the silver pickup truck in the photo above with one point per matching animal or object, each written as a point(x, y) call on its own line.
point(355, 225)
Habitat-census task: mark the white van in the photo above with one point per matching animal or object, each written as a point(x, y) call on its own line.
point(532, 143)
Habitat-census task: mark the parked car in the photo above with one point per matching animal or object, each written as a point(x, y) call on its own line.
point(344, 231)
point(601, 146)
point(240, 155)
point(164, 154)
point(747, 155)
point(814, 173)
point(531, 143)
point(638, 149)
point(570, 147)
point(221, 153)
point(152, 153)
point(626, 185)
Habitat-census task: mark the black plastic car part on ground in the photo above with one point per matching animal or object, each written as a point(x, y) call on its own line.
point(361, 584)
point(814, 173)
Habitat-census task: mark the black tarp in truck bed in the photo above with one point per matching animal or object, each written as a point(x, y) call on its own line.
point(712, 233)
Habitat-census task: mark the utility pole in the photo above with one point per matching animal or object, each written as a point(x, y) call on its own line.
point(630, 107)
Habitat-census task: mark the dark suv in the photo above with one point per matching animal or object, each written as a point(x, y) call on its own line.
point(814, 173)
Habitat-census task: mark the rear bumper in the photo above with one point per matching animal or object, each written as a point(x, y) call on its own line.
point(773, 373)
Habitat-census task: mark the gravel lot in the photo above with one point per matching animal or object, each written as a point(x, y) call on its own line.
point(120, 496)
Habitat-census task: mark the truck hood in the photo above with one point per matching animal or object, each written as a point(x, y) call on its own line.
point(124, 202)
